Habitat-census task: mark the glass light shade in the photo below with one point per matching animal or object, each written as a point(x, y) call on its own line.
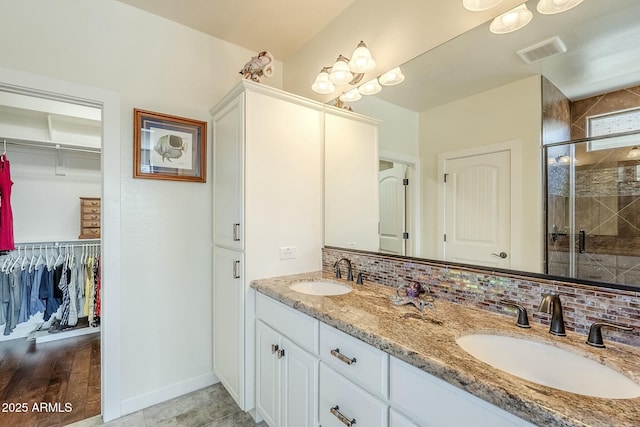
point(352, 95)
point(392, 77)
point(361, 59)
point(322, 83)
point(634, 153)
point(370, 88)
point(340, 74)
point(549, 7)
point(480, 5)
point(512, 20)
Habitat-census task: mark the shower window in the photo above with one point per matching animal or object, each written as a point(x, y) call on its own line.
point(617, 122)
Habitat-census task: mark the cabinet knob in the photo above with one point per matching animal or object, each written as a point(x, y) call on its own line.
point(274, 348)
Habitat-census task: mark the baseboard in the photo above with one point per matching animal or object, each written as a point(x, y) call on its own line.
point(137, 403)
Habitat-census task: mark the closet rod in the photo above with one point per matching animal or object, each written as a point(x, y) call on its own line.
point(51, 145)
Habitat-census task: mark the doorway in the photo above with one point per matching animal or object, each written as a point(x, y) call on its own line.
point(28, 84)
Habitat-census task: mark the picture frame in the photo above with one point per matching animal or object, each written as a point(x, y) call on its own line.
point(169, 147)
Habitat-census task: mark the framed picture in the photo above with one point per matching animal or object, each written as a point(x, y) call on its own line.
point(169, 147)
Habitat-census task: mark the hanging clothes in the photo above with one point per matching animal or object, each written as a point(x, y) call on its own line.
point(6, 215)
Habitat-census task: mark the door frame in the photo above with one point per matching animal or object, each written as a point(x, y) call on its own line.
point(109, 102)
point(515, 148)
point(413, 201)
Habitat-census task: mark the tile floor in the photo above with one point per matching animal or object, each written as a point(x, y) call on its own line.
point(209, 407)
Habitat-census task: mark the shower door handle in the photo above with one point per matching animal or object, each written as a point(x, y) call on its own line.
point(581, 241)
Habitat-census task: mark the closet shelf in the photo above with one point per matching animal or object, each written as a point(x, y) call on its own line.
point(48, 144)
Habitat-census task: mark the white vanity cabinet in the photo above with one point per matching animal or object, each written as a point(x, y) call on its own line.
point(267, 210)
point(286, 373)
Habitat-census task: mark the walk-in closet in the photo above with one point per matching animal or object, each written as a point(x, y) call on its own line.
point(50, 259)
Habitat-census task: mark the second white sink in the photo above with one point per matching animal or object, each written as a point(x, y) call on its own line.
point(320, 287)
point(549, 365)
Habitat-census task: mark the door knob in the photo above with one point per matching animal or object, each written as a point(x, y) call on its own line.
point(501, 255)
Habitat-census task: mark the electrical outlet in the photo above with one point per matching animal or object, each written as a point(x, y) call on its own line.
point(287, 252)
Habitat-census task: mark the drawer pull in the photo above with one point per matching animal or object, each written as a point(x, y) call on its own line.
point(346, 421)
point(236, 273)
point(274, 348)
point(342, 357)
point(281, 353)
point(236, 232)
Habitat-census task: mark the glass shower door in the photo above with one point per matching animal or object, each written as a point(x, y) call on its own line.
point(593, 212)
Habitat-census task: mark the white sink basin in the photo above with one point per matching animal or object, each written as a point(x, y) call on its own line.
point(550, 366)
point(320, 287)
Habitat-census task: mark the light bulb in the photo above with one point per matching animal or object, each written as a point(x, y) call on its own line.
point(361, 59)
point(340, 73)
point(512, 20)
point(391, 77)
point(322, 84)
point(352, 95)
point(549, 7)
point(370, 88)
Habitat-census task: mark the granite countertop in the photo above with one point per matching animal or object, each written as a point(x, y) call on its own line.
point(427, 340)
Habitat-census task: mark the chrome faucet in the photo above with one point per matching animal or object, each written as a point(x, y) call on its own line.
point(551, 304)
point(349, 269)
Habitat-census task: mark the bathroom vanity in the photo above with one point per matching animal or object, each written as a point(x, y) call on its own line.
point(368, 360)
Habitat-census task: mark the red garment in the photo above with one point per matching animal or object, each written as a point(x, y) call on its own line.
point(6, 216)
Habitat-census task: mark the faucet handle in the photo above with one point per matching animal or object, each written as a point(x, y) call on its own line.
point(359, 280)
point(523, 319)
point(595, 333)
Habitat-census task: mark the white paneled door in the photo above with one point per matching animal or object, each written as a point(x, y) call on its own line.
point(393, 202)
point(477, 217)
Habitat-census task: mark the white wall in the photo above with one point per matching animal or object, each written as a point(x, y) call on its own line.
point(154, 64)
point(398, 129)
point(507, 113)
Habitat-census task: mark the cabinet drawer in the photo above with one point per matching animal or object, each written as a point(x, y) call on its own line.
point(90, 210)
point(89, 233)
point(90, 216)
point(348, 401)
point(91, 224)
point(431, 401)
point(88, 202)
point(298, 327)
point(361, 363)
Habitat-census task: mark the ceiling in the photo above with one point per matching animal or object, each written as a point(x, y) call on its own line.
point(462, 57)
point(280, 26)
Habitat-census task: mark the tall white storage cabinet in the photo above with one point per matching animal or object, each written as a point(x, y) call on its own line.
point(268, 213)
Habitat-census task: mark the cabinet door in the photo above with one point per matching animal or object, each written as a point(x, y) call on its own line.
point(228, 322)
point(299, 387)
point(268, 361)
point(228, 181)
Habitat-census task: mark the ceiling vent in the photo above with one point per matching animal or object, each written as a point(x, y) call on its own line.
point(542, 50)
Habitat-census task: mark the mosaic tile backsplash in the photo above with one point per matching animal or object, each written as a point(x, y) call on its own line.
point(582, 304)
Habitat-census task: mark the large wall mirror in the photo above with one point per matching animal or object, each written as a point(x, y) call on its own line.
point(465, 130)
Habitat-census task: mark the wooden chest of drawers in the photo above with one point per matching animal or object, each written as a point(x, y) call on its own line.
point(89, 218)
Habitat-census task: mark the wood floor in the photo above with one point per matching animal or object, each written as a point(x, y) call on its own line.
point(49, 384)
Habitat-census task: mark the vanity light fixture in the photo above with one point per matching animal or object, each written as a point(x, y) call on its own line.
point(550, 7)
point(512, 20)
point(361, 59)
point(350, 96)
point(370, 88)
point(391, 77)
point(480, 5)
point(340, 73)
point(634, 153)
point(322, 84)
point(345, 71)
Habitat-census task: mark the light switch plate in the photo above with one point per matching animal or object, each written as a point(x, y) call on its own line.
point(287, 252)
